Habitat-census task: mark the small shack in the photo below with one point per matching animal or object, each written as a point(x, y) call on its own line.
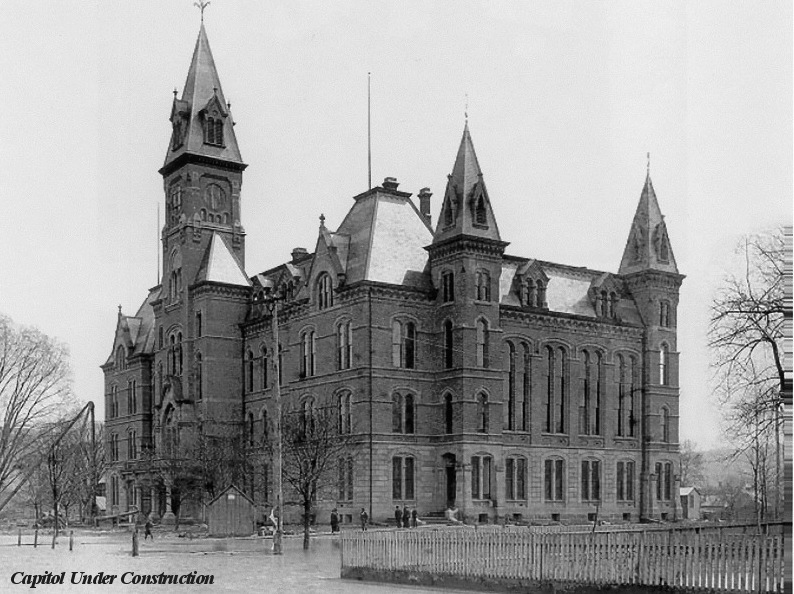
point(231, 514)
point(690, 503)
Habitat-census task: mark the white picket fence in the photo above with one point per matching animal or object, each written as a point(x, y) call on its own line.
point(691, 558)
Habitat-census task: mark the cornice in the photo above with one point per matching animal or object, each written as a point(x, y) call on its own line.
point(570, 322)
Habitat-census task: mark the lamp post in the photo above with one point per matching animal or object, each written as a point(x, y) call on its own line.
point(271, 302)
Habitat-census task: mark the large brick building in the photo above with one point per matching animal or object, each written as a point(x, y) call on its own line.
point(502, 384)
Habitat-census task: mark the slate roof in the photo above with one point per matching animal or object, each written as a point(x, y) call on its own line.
point(136, 332)
point(220, 265)
point(201, 86)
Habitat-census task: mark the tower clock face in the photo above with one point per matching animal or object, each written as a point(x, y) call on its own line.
point(215, 197)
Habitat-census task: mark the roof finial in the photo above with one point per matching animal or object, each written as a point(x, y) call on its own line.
point(322, 220)
point(119, 310)
point(648, 167)
point(466, 111)
point(201, 5)
point(175, 92)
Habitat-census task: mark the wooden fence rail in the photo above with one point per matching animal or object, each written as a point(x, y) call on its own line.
point(691, 559)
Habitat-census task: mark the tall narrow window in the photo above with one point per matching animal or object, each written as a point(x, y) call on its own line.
point(481, 477)
point(631, 392)
point(531, 294)
point(591, 480)
point(553, 479)
point(396, 343)
point(448, 413)
point(549, 389)
point(448, 286)
point(483, 285)
point(345, 413)
point(664, 371)
point(665, 424)
point(480, 216)
point(515, 479)
point(344, 342)
point(449, 347)
point(621, 395)
point(263, 364)
point(584, 407)
point(249, 371)
point(526, 389)
point(409, 413)
point(403, 478)
point(397, 413)
point(308, 352)
point(541, 294)
point(132, 445)
point(409, 344)
point(561, 370)
point(199, 378)
point(199, 328)
point(482, 343)
point(511, 387)
point(132, 402)
point(482, 413)
point(325, 294)
point(250, 429)
point(625, 481)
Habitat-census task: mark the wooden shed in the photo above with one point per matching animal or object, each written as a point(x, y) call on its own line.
point(231, 514)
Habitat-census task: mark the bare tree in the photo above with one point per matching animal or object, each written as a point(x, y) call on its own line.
point(312, 447)
point(746, 336)
point(34, 387)
point(691, 465)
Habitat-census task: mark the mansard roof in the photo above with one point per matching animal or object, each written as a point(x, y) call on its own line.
point(202, 91)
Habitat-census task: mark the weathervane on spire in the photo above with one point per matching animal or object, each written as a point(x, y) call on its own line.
point(201, 5)
point(648, 166)
point(466, 110)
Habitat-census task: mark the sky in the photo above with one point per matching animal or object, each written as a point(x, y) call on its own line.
point(565, 99)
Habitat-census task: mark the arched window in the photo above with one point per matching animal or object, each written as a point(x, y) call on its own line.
point(178, 354)
point(632, 378)
point(664, 314)
point(199, 377)
point(403, 344)
point(516, 478)
point(263, 367)
point(604, 304)
point(482, 343)
point(344, 345)
point(541, 294)
point(114, 447)
point(325, 293)
point(158, 389)
point(132, 397)
point(397, 413)
point(553, 479)
point(403, 478)
point(482, 469)
point(199, 328)
point(483, 414)
point(483, 285)
point(448, 286)
point(132, 444)
point(591, 480)
point(664, 421)
point(409, 413)
point(308, 353)
point(114, 401)
point(531, 294)
point(308, 416)
point(480, 216)
point(625, 480)
point(249, 370)
point(265, 426)
point(449, 346)
point(664, 481)
point(121, 358)
point(345, 413)
point(448, 215)
point(557, 390)
point(250, 429)
point(175, 285)
point(448, 413)
point(664, 371)
point(511, 387)
point(664, 248)
point(613, 305)
point(622, 396)
point(587, 396)
point(526, 383)
point(213, 131)
point(345, 470)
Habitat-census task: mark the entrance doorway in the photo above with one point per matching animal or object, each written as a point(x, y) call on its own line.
point(451, 478)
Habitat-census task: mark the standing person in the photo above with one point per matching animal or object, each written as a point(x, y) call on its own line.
point(334, 521)
point(414, 517)
point(398, 516)
point(364, 519)
point(406, 517)
point(148, 528)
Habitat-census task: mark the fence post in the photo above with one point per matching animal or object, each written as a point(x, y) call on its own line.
point(71, 540)
point(19, 538)
point(135, 543)
point(54, 537)
point(36, 539)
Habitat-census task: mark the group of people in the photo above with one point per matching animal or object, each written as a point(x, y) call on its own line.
point(406, 518)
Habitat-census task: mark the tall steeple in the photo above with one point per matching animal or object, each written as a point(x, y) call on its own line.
point(466, 209)
point(648, 246)
point(201, 120)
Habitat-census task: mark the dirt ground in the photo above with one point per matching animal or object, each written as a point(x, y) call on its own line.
point(236, 564)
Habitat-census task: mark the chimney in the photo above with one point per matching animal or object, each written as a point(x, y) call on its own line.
point(390, 183)
point(424, 204)
point(298, 253)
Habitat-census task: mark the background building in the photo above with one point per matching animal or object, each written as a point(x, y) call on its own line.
point(498, 384)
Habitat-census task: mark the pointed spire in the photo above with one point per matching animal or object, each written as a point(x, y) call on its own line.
point(466, 209)
point(648, 246)
point(202, 101)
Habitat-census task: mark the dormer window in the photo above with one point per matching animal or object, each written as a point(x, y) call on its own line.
point(480, 216)
point(213, 130)
point(325, 294)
